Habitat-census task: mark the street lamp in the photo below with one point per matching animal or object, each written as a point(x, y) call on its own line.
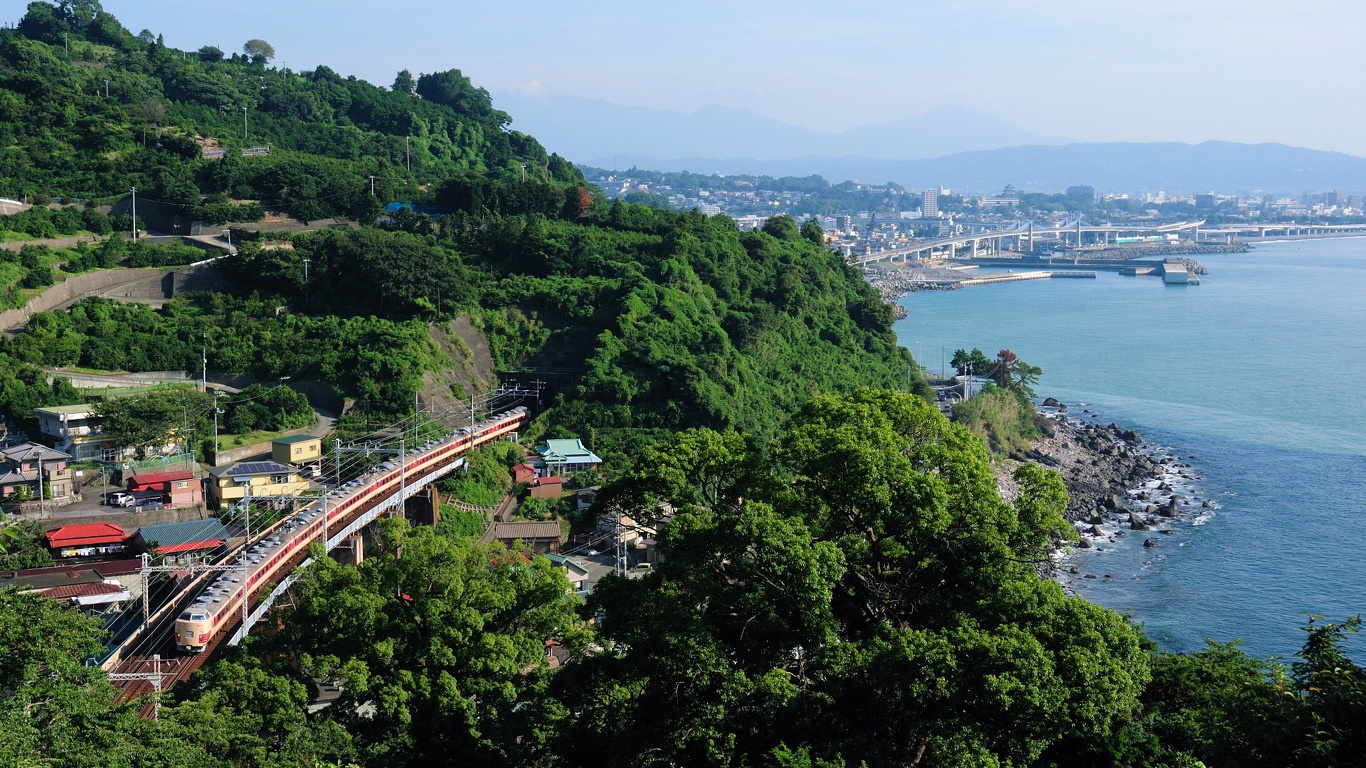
point(228, 234)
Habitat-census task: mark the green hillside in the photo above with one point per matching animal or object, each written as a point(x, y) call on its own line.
point(666, 320)
point(88, 110)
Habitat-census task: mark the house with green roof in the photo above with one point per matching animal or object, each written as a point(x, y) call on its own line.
point(562, 457)
point(296, 449)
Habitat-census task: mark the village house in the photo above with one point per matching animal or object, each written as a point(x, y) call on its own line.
point(297, 449)
point(87, 540)
point(548, 488)
point(21, 466)
point(176, 487)
point(524, 473)
point(75, 430)
point(182, 542)
point(229, 483)
point(576, 571)
point(540, 536)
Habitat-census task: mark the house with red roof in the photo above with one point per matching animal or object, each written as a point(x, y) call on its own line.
point(87, 540)
point(178, 487)
point(524, 473)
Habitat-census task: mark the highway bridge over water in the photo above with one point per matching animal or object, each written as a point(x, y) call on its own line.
point(1024, 236)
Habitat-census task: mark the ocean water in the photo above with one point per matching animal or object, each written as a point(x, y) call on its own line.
point(1256, 378)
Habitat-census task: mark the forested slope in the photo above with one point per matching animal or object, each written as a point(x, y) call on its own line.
point(668, 320)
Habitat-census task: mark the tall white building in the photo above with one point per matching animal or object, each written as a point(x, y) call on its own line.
point(930, 205)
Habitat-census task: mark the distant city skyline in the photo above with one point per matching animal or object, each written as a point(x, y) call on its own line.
point(1160, 71)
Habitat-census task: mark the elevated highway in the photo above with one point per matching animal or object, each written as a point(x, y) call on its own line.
point(1023, 237)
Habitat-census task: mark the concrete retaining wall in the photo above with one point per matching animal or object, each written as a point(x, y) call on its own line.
point(131, 521)
point(79, 286)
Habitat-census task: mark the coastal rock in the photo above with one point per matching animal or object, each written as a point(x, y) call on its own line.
point(1084, 543)
point(1173, 508)
point(1112, 502)
point(1205, 504)
point(1051, 402)
point(1149, 543)
point(1074, 569)
point(1136, 523)
point(1132, 437)
point(1120, 534)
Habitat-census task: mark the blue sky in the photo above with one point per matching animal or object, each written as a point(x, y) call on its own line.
point(1157, 70)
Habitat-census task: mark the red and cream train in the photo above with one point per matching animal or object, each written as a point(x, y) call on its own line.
point(268, 557)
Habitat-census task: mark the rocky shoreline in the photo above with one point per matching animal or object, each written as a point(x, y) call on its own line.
point(1117, 485)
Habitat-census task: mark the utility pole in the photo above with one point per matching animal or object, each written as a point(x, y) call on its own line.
point(41, 510)
point(204, 374)
point(523, 173)
point(246, 541)
point(402, 482)
point(407, 153)
point(106, 89)
point(134, 190)
point(244, 122)
point(337, 449)
point(305, 282)
point(372, 186)
point(185, 431)
point(216, 413)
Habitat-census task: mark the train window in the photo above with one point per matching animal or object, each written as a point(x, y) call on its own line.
point(185, 616)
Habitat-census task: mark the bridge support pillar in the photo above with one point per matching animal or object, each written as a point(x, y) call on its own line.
point(424, 507)
point(352, 551)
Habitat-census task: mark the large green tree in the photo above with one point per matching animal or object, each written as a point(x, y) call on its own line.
point(440, 645)
point(859, 593)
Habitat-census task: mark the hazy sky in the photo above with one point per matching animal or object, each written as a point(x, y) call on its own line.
point(1157, 70)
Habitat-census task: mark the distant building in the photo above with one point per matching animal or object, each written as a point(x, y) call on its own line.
point(929, 205)
point(1204, 200)
point(1008, 196)
point(1083, 193)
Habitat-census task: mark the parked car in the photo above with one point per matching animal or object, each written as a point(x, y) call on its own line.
point(120, 499)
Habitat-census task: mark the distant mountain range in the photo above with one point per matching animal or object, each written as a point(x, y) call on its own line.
point(1220, 166)
point(950, 147)
point(593, 131)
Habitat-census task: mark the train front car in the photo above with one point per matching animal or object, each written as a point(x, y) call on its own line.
point(193, 630)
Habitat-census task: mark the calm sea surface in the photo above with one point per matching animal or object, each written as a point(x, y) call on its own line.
point(1257, 377)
